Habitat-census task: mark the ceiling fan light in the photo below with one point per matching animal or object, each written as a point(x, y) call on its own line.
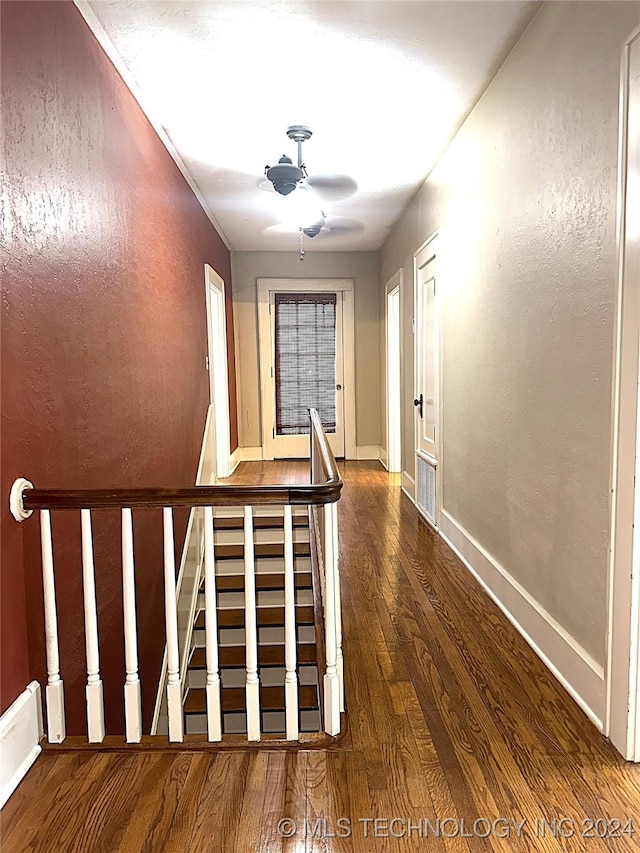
point(285, 177)
point(315, 229)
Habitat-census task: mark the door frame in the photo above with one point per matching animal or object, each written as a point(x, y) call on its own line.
point(622, 715)
point(394, 284)
point(218, 368)
point(427, 251)
point(345, 286)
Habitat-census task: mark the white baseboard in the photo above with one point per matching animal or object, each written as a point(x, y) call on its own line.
point(21, 731)
point(408, 486)
point(574, 667)
point(368, 451)
point(382, 456)
point(249, 454)
point(234, 460)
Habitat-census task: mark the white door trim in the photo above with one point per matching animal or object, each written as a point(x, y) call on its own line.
point(267, 398)
point(394, 283)
point(425, 253)
point(622, 722)
point(218, 366)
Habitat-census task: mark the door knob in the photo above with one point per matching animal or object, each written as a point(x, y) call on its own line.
point(338, 387)
point(418, 404)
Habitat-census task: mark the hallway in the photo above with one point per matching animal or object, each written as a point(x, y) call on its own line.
point(453, 726)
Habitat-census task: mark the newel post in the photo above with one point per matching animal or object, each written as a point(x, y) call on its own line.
point(55, 689)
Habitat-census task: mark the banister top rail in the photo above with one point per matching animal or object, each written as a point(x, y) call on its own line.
point(328, 460)
point(228, 495)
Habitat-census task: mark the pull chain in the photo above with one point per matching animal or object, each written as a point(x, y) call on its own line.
point(301, 245)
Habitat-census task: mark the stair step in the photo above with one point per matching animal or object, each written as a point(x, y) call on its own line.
point(267, 616)
point(272, 722)
point(234, 656)
point(270, 676)
point(264, 549)
point(271, 635)
point(233, 699)
point(264, 565)
point(235, 583)
point(259, 511)
point(267, 522)
point(264, 598)
point(262, 536)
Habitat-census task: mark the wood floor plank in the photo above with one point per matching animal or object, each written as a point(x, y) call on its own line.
point(452, 723)
point(222, 794)
point(294, 807)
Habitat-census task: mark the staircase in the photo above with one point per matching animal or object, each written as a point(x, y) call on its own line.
point(276, 669)
point(268, 540)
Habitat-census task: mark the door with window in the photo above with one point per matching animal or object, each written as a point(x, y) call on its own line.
point(302, 358)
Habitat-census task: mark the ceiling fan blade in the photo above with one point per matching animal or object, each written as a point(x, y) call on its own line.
point(340, 226)
point(332, 187)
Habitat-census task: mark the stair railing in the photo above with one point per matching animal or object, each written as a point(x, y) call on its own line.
point(324, 470)
point(321, 494)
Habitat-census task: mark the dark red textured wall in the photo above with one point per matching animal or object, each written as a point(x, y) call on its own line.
point(103, 339)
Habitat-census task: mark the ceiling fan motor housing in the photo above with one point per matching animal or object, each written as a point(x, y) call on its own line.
point(285, 177)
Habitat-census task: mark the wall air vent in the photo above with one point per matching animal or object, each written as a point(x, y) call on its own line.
point(426, 488)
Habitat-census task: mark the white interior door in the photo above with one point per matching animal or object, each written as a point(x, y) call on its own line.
point(307, 369)
point(427, 366)
point(219, 432)
point(394, 462)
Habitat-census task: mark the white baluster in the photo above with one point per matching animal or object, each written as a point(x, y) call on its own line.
point(56, 729)
point(336, 564)
point(331, 678)
point(132, 700)
point(214, 711)
point(251, 630)
point(174, 687)
point(291, 677)
point(94, 690)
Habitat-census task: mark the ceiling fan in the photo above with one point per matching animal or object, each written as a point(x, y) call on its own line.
point(286, 177)
point(336, 226)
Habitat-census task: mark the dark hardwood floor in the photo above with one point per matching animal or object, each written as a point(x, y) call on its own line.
point(454, 726)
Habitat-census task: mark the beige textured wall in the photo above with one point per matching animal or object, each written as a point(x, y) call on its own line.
point(526, 200)
point(363, 268)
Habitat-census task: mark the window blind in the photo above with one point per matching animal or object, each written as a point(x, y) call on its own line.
point(305, 361)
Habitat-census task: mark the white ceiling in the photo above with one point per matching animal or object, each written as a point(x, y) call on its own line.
point(382, 85)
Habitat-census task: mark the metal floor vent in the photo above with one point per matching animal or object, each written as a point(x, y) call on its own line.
point(426, 488)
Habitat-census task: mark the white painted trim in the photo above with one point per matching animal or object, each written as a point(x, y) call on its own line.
point(427, 251)
point(238, 360)
point(21, 731)
point(396, 282)
point(368, 451)
point(236, 459)
point(93, 22)
point(574, 667)
point(408, 485)
point(622, 722)
point(265, 286)
point(162, 683)
point(250, 454)
point(424, 245)
point(218, 367)
point(382, 457)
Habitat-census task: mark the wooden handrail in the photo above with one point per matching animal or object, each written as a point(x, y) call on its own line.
point(192, 496)
point(328, 460)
